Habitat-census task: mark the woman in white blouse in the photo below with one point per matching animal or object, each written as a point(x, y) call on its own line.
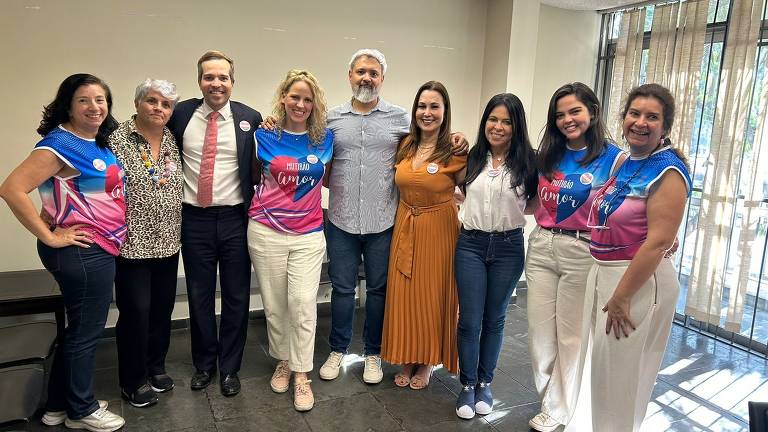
point(501, 179)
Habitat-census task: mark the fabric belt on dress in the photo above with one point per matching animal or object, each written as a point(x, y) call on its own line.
point(580, 235)
point(407, 238)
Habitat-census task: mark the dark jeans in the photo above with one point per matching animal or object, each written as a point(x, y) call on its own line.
point(216, 237)
point(488, 267)
point(344, 251)
point(85, 277)
point(145, 291)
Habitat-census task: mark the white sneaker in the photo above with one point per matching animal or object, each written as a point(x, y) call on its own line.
point(101, 420)
point(543, 423)
point(372, 374)
point(53, 418)
point(330, 369)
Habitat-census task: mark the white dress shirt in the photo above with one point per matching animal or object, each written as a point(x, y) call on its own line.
point(490, 204)
point(226, 178)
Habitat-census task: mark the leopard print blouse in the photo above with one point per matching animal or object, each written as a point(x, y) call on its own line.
point(153, 212)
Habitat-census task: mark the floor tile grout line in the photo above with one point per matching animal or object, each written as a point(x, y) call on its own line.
point(386, 409)
point(704, 402)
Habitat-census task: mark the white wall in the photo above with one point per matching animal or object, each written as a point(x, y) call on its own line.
point(459, 42)
point(125, 42)
point(498, 27)
point(523, 39)
point(566, 51)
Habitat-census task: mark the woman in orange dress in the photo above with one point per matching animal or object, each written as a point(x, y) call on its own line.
point(421, 310)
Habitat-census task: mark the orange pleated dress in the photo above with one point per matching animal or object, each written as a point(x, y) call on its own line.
point(422, 306)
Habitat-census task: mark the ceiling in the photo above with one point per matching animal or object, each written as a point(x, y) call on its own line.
point(588, 4)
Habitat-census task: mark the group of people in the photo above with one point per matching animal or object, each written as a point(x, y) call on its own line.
point(210, 178)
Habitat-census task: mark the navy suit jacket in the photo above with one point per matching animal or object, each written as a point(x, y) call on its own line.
point(182, 113)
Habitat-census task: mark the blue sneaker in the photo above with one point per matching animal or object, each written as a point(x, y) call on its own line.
point(465, 404)
point(483, 398)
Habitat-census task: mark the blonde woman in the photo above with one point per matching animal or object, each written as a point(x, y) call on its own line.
point(285, 233)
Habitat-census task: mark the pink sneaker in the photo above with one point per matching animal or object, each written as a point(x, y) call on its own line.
point(303, 399)
point(281, 379)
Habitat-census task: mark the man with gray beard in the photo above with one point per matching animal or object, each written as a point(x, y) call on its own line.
point(361, 211)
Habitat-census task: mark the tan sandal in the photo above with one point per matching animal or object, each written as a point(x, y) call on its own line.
point(403, 378)
point(419, 380)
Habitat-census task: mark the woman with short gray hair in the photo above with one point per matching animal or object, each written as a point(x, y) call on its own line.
point(145, 280)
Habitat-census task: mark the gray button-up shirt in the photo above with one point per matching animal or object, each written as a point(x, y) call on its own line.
point(363, 196)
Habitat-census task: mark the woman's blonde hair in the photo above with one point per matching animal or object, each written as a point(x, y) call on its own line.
point(317, 118)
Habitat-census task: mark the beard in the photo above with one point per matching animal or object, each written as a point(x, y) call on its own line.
point(365, 93)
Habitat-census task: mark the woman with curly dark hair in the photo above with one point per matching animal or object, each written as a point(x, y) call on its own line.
point(79, 231)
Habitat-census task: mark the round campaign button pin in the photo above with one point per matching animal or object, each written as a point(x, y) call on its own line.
point(245, 126)
point(432, 168)
point(493, 172)
point(312, 159)
point(99, 164)
point(586, 178)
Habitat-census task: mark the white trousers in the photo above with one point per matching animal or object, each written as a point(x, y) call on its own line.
point(624, 370)
point(288, 270)
point(556, 271)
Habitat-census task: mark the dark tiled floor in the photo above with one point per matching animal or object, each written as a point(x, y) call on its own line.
point(703, 386)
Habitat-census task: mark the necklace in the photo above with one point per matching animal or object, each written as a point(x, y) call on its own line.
point(153, 169)
point(422, 151)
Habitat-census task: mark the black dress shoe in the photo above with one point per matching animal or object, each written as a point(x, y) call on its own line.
point(230, 384)
point(201, 379)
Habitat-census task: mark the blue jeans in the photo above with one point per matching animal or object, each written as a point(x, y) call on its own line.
point(85, 277)
point(344, 251)
point(488, 267)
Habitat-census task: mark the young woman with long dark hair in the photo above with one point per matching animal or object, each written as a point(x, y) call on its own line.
point(501, 179)
point(575, 160)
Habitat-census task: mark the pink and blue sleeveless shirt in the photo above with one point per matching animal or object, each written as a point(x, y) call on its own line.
point(619, 212)
point(95, 197)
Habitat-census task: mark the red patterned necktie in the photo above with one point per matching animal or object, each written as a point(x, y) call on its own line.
point(205, 179)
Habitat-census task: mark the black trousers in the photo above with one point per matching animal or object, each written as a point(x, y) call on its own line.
point(216, 237)
point(145, 292)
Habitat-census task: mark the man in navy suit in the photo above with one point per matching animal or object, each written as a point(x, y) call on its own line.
point(215, 136)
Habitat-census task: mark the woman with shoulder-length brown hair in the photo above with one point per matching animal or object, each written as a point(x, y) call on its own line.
point(79, 232)
point(422, 307)
point(632, 288)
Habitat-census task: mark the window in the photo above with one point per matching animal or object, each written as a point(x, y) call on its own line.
point(745, 251)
